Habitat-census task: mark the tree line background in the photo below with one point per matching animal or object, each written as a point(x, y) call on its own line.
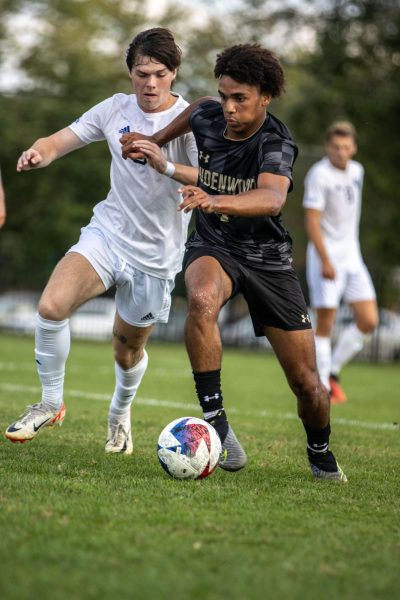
point(341, 58)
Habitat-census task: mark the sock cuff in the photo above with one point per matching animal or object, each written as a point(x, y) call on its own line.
point(53, 325)
point(203, 375)
point(142, 364)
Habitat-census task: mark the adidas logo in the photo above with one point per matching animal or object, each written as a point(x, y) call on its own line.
point(147, 317)
point(125, 129)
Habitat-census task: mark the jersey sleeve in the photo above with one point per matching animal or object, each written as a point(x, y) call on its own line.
point(314, 191)
point(277, 157)
point(90, 126)
point(191, 149)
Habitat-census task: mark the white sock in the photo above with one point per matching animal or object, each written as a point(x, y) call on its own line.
point(350, 341)
point(52, 344)
point(324, 353)
point(126, 386)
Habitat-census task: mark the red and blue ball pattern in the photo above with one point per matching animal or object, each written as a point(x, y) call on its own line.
point(189, 448)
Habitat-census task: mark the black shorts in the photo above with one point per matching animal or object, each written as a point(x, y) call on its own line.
point(274, 298)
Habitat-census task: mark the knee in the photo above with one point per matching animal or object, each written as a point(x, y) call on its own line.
point(204, 304)
point(127, 358)
point(306, 385)
point(52, 309)
point(368, 325)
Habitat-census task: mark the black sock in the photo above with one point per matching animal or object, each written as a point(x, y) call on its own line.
point(208, 388)
point(318, 439)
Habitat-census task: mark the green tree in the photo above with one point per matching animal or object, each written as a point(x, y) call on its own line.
point(74, 57)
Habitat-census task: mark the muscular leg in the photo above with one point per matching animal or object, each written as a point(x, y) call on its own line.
point(131, 361)
point(296, 354)
point(72, 283)
point(208, 288)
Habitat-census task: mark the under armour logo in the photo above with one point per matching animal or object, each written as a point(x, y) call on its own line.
point(204, 157)
point(208, 398)
point(305, 319)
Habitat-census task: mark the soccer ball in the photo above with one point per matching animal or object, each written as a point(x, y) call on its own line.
point(189, 448)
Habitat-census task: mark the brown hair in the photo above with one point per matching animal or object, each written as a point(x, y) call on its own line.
point(342, 128)
point(158, 43)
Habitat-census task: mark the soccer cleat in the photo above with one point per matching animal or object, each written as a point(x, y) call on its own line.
point(119, 438)
point(232, 457)
point(324, 466)
point(35, 418)
point(337, 394)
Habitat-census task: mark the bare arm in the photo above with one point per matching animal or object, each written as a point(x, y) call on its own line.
point(45, 150)
point(314, 234)
point(267, 200)
point(179, 126)
point(155, 158)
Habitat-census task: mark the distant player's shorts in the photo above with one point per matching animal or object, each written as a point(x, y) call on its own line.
point(274, 298)
point(352, 284)
point(141, 299)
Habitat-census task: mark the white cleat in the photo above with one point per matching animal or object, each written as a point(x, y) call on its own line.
point(35, 418)
point(119, 438)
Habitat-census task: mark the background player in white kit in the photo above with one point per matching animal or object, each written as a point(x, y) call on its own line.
point(335, 268)
point(135, 238)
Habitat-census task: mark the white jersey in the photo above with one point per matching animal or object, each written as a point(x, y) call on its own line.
point(337, 194)
point(139, 217)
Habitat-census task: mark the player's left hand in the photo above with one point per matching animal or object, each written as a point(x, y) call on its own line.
point(195, 197)
point(127, 141)
point(152, 152)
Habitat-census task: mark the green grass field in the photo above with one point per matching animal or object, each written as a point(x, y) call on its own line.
point(78, 524)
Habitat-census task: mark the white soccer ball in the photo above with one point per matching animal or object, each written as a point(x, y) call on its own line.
point(189, 448)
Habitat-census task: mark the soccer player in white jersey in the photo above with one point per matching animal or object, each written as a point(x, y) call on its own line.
point(335, 268)
point(134, 240)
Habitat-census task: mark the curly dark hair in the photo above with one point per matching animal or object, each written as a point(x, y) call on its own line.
point(159, 43)
point(254, 65)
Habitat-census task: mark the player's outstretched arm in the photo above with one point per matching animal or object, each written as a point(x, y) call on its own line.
point(179, 126)
point(45, 150)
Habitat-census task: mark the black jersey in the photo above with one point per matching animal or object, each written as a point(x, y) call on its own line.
point(231, 167)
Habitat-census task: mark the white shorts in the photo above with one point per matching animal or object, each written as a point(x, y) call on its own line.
point(352, 284)
point(141, 299)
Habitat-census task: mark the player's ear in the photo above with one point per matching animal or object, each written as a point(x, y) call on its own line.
point(265, 99)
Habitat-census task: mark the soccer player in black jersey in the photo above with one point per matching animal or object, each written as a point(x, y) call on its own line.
point(240, 244)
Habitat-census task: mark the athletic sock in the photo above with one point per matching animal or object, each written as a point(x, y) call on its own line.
point(324, 354)
point(208, 389)
point(318, 449)
point(126, 385)
point(318, 439)
point(350, 341)
point(52, 345)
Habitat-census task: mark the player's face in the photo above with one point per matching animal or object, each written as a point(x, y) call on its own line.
point(152, 82)
point(244, 107)
point(340, 149)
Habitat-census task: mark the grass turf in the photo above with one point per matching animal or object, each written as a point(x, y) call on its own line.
point(76, 523)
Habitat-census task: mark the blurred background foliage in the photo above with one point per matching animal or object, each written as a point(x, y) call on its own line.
point(60, 57)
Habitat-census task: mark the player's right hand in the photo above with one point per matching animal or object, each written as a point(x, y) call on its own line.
point(29, 159)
